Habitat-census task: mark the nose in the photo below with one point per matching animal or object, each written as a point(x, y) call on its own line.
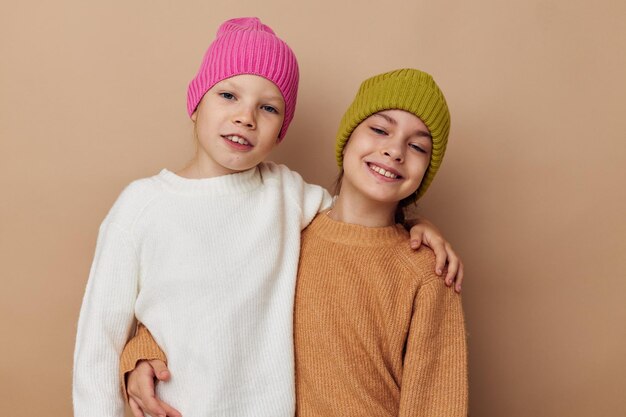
point(394, 152)
point(245, 118)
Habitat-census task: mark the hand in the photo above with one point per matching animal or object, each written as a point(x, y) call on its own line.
point(424, 232)
point(140, 389)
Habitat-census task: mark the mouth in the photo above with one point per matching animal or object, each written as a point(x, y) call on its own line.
point(238, 140)
point(384, 172)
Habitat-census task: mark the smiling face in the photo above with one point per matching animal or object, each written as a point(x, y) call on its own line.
point(386, 158)
point(237, 124)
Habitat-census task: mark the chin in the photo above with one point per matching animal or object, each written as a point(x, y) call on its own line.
point(383, 199)
point(240, 166)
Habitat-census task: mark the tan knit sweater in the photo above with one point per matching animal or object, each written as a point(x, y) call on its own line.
point(377, 333)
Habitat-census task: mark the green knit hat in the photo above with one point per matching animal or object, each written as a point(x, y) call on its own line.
point(405, 89)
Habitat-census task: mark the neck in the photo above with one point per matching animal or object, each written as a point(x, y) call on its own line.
point(199, 168)
point(358, 210)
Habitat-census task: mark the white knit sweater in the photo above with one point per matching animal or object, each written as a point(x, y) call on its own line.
point(209, 266)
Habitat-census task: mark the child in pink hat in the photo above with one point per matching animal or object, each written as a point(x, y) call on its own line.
point(247, 46)
point(207, 257)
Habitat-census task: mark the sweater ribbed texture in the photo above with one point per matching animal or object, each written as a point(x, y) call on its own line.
point(377, 333)
point(209, 266)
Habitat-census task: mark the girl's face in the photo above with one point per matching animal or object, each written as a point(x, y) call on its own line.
point(237, 124)
point(386, 157)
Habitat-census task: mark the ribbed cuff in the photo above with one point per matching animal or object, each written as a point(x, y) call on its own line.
point(141, 347)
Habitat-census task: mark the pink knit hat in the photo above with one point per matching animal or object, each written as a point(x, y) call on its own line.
point(247, 46)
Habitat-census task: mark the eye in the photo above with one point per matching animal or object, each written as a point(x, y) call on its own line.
point(227, 96)
point(269, 109)
point(378, 131)
point(417, 148)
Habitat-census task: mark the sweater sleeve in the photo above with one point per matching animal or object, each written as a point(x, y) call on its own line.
point(106, 319)
point(139, 348)
point(434, 377)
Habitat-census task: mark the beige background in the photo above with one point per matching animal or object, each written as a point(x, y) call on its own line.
point(92, 96)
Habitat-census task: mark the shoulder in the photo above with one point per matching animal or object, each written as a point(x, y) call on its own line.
point(308, 198)
point(420, 263)
point(133, 200)
point(272, 170)
point(287, 178)
point(140, 190)
point(432, 291)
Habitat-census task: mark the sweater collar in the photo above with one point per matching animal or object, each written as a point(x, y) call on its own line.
point(225, 184)
point(354, 234)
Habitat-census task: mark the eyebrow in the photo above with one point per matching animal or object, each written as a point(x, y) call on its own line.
point(387, 118)
point(394, 122)
point(275, 98)
point(233, 84)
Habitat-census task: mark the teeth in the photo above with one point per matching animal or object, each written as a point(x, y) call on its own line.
point(382, 171)
point(237, 139)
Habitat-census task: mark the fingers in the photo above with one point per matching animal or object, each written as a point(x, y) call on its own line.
point(441, 256)
point(425, 233)
point(459, 278)
point(134, 407)
point(139, 376)
point(455, 270)
point(160, 370)
point(453, 265)
point(171, 412)
point(149, 401)
point(417, 234)
point(438, 245)
point(165, 409)
point(416, 243)
point(140, 388)
point(163, 374)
